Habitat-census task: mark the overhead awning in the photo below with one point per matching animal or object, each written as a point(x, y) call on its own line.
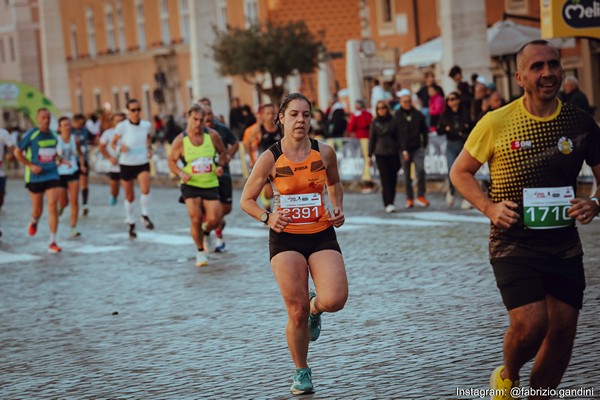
point(504, 38)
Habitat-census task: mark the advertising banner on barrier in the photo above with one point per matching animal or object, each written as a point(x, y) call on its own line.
point(351, 155)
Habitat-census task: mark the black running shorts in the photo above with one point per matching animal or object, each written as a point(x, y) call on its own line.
point(130, 172)
point(526, 280)
point(190, 192)
point(65, 179)
point(114, 176)
point(41, 187)
point(225, 189)
point(305, 244)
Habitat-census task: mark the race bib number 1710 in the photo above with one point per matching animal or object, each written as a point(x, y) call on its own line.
point(547, 208)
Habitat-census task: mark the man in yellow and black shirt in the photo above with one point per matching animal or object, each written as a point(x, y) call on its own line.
point(535, 148)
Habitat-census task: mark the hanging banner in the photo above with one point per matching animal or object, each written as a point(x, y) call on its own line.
point(568, 18)
point(26, 99)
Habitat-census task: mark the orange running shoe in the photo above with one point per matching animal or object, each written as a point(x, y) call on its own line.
point(53, 248)
point(32, 230)
point(422, 201)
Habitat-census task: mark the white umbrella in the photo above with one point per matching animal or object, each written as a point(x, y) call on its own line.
point(423, 55)
point(504, 37)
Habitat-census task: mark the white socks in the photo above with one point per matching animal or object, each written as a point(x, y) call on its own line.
point(129, 212)
point(144, 201)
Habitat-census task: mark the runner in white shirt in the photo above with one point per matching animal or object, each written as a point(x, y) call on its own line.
point(6, 140)
point(71, 164)
point(134, 160)
point(112, 155)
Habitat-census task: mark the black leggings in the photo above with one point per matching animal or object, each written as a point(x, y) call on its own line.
point(388, 167)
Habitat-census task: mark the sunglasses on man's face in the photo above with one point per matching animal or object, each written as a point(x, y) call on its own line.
point(452, 98)
point(135, 109)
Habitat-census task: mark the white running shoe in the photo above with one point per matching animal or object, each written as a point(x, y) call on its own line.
point(390, 208)
point(219, 245)
point(201, 259)
point(465, 205)
point(449, 198)
point(208, 243)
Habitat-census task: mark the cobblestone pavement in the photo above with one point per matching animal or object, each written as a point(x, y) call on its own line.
point(424, 316)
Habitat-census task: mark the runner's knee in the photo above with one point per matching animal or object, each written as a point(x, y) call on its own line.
point(298, 313)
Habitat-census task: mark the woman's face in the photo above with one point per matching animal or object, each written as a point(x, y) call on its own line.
point(296, 118)
point(453, 101)
point(382, 109)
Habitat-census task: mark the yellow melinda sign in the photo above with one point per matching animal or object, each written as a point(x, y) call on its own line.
point(567, 18)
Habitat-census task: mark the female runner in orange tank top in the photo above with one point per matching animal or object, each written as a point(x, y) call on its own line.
point(302, 240)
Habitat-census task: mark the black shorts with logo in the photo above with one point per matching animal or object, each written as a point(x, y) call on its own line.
point(130, 172)
point(305, 244)
point(524, 280)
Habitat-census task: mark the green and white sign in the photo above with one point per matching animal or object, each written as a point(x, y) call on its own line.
point(26, 99)
point(547, 208)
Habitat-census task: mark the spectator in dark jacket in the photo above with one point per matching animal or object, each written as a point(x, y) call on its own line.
point(236, 118)
point(171, 130)
point(455, 123)
point(572, 94)
point(384, 144)
point(414, 135)
point(462, 87)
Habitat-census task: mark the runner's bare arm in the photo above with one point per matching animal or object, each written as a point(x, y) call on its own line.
point(462, 176)
point(251, 143)
point(334, 184)
point(176, 153)
point(233, 149)
point(263, 168)
point(219, 147)
point(104, 151)
point(18, 153)
point(114, 141)
point(80, 155)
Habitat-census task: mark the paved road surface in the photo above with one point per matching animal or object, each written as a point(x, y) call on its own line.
point(424, 316)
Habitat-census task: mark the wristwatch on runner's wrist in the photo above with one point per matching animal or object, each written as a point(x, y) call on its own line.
point(597, 201)
point(264, 218)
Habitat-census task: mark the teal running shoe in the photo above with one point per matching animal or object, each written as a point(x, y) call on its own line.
point(302, 382)
point(314, 321)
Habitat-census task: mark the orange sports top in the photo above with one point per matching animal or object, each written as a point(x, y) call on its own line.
point(298, 190)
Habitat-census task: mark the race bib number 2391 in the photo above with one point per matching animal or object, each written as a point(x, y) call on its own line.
point(302, 208)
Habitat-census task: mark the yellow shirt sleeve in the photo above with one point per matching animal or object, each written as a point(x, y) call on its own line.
point(480, 143)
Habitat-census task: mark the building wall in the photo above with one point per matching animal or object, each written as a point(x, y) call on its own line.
point(20, 30)
point(413, 22)
point(111, 73)
point(334, 22)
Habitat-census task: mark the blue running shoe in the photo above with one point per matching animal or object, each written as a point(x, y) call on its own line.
point(314, 321)
point(302, 382)
point(112, 201)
